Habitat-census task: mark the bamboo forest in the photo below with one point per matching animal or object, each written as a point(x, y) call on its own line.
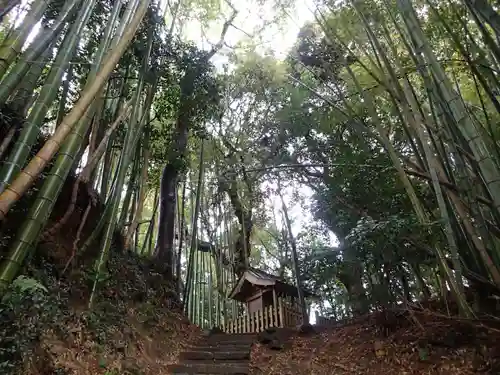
point(249, 187)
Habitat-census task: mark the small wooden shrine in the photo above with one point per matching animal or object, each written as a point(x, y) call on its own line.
point(269, 302)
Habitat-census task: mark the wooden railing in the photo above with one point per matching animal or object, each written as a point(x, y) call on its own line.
point(282, 315)
point(323, 321)
point(332, 322)
point(292, 316)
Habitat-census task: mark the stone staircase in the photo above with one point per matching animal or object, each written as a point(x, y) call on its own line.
point(217, 354)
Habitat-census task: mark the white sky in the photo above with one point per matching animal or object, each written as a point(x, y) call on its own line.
point(279, 27)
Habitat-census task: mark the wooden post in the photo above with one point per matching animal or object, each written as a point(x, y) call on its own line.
point(281, 313)
point(275, 308)
point(247, 323)
point(270, 315)
point(259, 318)
point(256, 321)
point(297, 309)
point(266, 318)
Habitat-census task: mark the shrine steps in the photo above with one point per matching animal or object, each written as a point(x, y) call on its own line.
point(227, 354)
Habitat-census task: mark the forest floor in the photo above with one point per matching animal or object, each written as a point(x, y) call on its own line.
point(388, 343)
point(129, 331)
point(138, 349)
point(46, 327)
point(395, 345)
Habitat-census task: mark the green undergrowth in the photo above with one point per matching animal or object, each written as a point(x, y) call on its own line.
point(45, 321)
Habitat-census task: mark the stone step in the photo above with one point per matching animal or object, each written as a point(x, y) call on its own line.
point(230, 339)
point(216, 355)
point(210, 368)
point(221, 348)
point(232, 336)
point(230, 346)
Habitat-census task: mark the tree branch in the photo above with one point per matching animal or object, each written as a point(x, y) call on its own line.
point(225, 28)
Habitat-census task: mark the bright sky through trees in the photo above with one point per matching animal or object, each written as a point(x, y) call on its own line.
point(266, 28)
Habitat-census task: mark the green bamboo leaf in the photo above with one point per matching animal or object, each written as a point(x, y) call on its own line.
point(28, 284)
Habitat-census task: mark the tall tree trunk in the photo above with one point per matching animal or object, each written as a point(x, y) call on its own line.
point(165, 238)
point(173, 169)
point(181, 237)
point(295, 259)
point(142, 191)
point(193, 249)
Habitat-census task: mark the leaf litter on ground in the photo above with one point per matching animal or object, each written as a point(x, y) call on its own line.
point(136, 349)
point(391, 343)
